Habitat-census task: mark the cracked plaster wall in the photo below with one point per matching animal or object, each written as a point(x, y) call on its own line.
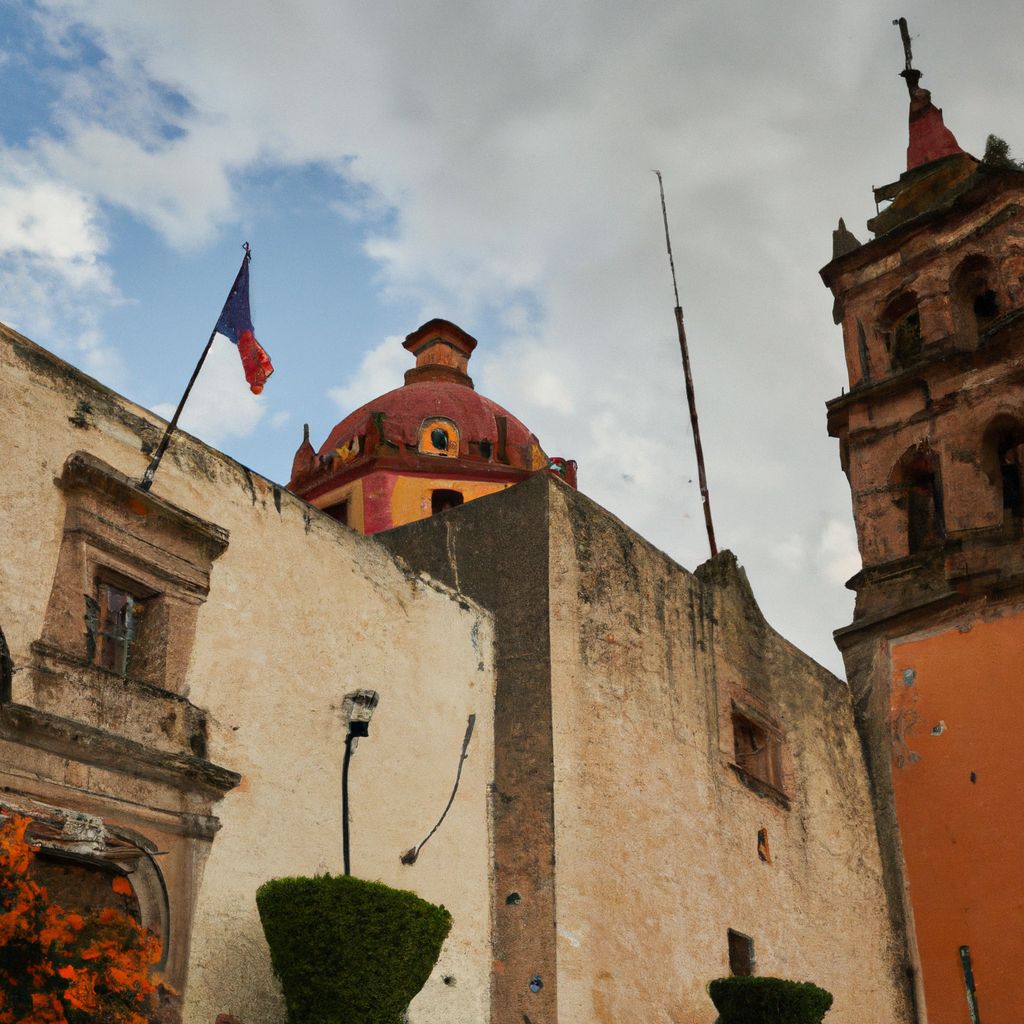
point(300, 611)
point(655, 833)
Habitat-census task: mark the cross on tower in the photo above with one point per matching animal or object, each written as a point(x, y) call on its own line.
point(909, 73)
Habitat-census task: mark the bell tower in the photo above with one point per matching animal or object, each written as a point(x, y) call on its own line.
point(931, 438)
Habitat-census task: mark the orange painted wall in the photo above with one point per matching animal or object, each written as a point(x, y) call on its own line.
point(384, 499)
point(957, 704)
point(410, 499)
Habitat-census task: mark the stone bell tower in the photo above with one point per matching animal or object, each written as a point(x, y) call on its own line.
point(931, 438)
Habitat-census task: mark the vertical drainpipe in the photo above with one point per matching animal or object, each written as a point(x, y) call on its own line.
point(972, 998)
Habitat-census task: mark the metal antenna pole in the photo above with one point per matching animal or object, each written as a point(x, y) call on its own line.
point(691, 397)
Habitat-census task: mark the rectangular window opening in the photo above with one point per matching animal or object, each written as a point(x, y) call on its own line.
point(755, 749)
point(113, 620)
point(338, 512)
point(741, 954)
point(442, 500)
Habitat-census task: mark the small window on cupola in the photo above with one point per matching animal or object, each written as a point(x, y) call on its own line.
point(439, 437)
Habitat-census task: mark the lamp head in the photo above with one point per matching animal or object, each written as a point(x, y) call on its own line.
point(358, 709)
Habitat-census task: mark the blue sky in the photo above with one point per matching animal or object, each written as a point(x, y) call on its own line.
point(488, 163)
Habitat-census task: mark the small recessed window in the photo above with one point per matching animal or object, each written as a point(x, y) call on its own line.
point(439, 439)
point(975, 302)
point(906, 340)
point(442, 500)
point(901, 329)
point(1008, 453)
point(753, 748)
point(986, 306)
point(339, 511)
point(918, 492)
point(741, 954)
point(486, 450)
point(113, 620)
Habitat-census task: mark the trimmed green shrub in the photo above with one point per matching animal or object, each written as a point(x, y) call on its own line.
point(347, 951)
point(768, 1001)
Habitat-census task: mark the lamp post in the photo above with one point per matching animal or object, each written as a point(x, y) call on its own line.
point(358, 710)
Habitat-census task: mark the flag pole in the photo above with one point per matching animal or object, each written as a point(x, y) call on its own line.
point(691, 397)
point(154, 465)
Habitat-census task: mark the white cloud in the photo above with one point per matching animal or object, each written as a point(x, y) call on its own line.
point(221, 405)
point(513, 145)
point(54, 283)
point(838, 551)
point(48, 220)
point(381, 370)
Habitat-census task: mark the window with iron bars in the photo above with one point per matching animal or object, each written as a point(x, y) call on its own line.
point(112, 620)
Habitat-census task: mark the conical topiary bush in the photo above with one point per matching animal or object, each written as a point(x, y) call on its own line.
point(347, 951)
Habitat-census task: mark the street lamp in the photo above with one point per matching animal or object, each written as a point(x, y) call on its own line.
point(357, 710)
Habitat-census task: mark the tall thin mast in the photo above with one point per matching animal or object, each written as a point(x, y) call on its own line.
point(691, 397)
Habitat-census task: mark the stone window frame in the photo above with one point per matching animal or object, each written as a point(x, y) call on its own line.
point(738, 703)
point(116, 534)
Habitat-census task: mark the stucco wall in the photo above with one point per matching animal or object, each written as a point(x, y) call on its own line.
point(655, 833)
point(300, 611)
point(654, 852)
point(955, 792)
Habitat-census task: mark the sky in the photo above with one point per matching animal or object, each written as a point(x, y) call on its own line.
point(490, 163)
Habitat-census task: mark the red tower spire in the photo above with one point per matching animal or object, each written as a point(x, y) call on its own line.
point(930, 139)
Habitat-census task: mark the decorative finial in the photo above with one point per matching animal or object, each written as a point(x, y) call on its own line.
point(930, 139)
point(911, 75)
point(843, 240)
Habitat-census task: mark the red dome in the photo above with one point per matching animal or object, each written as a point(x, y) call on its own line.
point(434, 423)
point(407, 407)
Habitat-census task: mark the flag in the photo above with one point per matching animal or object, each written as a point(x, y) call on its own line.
point(235, 324)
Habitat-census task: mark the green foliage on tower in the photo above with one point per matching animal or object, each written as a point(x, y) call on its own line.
point(997, 154)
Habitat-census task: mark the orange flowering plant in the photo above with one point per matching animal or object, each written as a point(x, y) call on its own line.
point(59, 967)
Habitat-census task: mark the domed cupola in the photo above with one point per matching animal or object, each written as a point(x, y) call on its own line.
point(425, 447)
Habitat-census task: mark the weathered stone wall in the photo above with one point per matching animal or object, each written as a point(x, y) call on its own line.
point(656, 832)
point(627, 842)
point(300, 611)
point(495, 550)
